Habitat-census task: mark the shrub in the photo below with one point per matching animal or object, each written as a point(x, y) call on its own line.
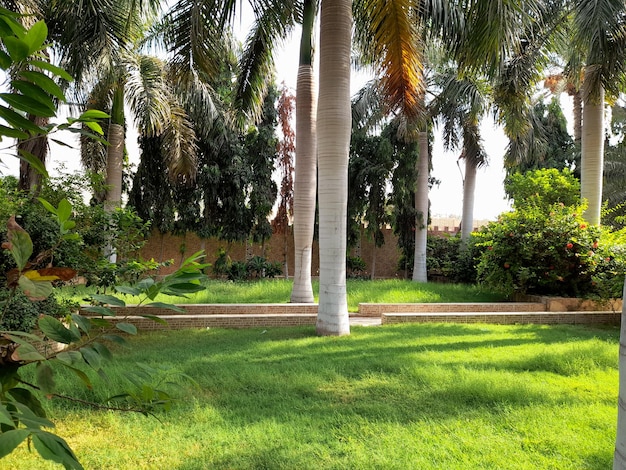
point(544, 246)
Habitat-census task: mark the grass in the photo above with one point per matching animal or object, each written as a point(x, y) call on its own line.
point(429, 396)
point(359, 291)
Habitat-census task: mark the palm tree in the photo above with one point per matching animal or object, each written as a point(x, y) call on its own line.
point(461, 104)
point(599, 32)
point(333, 137)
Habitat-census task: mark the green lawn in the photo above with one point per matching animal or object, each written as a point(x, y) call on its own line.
point(279, 291)
point(427, 396)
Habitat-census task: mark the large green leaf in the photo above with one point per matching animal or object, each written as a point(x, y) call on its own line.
point(109, 299)
point(35, 92)
point(17, 49)
point(126, 328)
point(20, 244)
point(79, 373)
point(5, 417)
point(15, 133)
point(82, 322)
point(70, 357)
point(31, 406)
point(27, 104)
point(45, 377)
point(18, 121)
point(93, 114)
point(28, 353)
point(128, 290)
point(173, 307)
point(44, 82)
point(100, 310)
point(64, 211)
point(34, 162)
point(58, 71)
point(35, 290)
point(91, 357)
point(52, 447)
point(36, 36)
point(9, 440)
point(56, 331)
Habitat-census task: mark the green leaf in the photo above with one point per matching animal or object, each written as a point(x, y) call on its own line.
point(56, 331)
point(27, 104)
point(49, 207)
point(105, 311)
point(33, 91)
point(64, 210)
point(128, 290)
point(173, 307)
point(103, 351)
point(45, 377)
point(115, 339)
point(155, 319)
point(127, 328)
point(52, 447)
point(70, 357)
point(91, 356)
point(82, 322)
point(29, 400)
point(36, 36)
point(94, 126)
point(79, 373)
point(28, 353)
point(44, 82)
point(14, 133)
point(58, 71)
point(5, 417)
point(9, 440)
point(35, 290)
point(18, 121)
point(5, 60)
point(92, 114)
point(33, 161)
point(20, 243)
point(108, 299)
point(17, 49)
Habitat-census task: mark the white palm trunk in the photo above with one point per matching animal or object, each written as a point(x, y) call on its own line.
point(619, 457)
point(333, 132)
point(305, 185)
point(592, 157)
point(421, 209)
point(469, 189)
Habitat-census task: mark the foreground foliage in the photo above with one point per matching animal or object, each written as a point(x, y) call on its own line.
point(412, 396)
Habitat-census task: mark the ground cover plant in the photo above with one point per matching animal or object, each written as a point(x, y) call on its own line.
point(359, 291)
point(409, 396)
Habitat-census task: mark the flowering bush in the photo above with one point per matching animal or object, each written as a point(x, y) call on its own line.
point(544, 246)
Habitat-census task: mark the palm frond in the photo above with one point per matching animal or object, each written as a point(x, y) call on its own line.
point(148, 94)
point(179, 147)
point(388, 35)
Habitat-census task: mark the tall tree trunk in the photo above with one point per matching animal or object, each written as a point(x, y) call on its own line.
point(305, 182)
point(421, 209)
point(115, 162)
point(592, 157)
point(619, 456)
point(334, 126)
point(578, 114)
point(30, 179)
point(469, 188)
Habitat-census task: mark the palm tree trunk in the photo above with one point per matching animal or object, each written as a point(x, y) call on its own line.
point(421, 209)
point(334, 125)
point(469, 188)
point(305, 181)
point(578, 112)
point(30, 179)
point(619, 457)
point(592, 157)
point(115, 151)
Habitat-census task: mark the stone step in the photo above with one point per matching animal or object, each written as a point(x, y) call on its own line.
point(217, 309)
point(376, 310)
point(505, 318)
point(180, 321)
